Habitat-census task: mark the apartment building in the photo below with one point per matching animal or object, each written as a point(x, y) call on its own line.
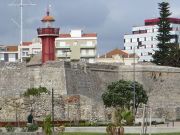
point(143, 41)
point(76, 46)
point(29, 49)
point(8, 53)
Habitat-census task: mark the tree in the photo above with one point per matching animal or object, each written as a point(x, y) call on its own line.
point(120, 94)
point(165, 55)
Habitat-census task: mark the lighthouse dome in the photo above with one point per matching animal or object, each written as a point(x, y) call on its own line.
point(48, 18)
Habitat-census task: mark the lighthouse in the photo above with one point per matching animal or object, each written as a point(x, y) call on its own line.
point(48, 34)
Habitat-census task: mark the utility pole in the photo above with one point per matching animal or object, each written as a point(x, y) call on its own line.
point(53, 110)
point(21, 5)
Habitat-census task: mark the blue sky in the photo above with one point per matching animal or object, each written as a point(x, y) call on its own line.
point(110, 19)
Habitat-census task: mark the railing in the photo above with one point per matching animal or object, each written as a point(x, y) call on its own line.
point(48, 31)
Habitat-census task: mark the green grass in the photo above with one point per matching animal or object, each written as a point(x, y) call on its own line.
point(125, 134)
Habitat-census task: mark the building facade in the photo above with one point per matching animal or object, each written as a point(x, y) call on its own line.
point(143, 39)
point(8, 53)
point(118, 56)
point(28, 49)
point(76, 46)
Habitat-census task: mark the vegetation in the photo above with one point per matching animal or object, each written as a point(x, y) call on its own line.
point(47, 125)
point(35, 91)
point(120, 95)
point(106, 134)
point(32, 128)
point(168, 53)
point(61, 130)
point(9, 128)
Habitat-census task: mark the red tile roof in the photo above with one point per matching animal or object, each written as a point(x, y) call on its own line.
point(26, 43)
point(89, 35)
point(64, 35)
point(11, 48)
point(83, 35)
point(117, 52)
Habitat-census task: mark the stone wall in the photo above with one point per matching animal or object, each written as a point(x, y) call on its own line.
point(88, 81)
point(162, 85)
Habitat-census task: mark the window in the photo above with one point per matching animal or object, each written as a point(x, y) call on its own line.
point(155, 30)
point(89, 43)
point(138, 39)
point(62, 43)
point(141, 39)
point(83, 51)
point(91, 52)
point(134, 39)
point(149, 31)
point(148, 38)
point(127, 40)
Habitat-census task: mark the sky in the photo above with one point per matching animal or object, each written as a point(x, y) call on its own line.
point(110, 19)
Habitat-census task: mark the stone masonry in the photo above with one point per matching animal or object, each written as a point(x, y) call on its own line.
point(78, 88)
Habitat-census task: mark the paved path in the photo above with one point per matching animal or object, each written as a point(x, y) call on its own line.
point(159, 129)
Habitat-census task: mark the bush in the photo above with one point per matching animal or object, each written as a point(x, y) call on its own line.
point(9, 128)
point(32, 128)
point(24, 129)
point(61, 130)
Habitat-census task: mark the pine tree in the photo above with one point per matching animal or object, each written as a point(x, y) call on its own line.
point(164, 56)
point(163, 36)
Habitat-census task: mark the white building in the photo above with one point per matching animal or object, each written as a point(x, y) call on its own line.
point(29, 49)
point(76, 46)
point(143, 39)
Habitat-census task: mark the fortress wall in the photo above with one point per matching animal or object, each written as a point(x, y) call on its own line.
point(162, 85)
point(90, 80)
point(14, 78)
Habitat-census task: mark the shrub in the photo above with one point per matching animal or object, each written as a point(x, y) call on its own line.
point(61, 130)
point(32, 128)
point(24, 129)
point(47, 125)
point(9, 128)
point(111, 129)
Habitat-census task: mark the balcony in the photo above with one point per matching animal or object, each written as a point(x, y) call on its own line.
point(88, 55)
point(88, 46)
point(48, 32)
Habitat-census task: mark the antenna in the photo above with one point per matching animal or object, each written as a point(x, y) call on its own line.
point(21, 5)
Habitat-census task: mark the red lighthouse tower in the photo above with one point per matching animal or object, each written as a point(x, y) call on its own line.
point(48, 35)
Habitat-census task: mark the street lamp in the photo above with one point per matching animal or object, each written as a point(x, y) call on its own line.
point(134, 79)
point(134, 76)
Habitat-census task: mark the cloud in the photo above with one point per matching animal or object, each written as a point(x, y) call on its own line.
point(111, 19)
